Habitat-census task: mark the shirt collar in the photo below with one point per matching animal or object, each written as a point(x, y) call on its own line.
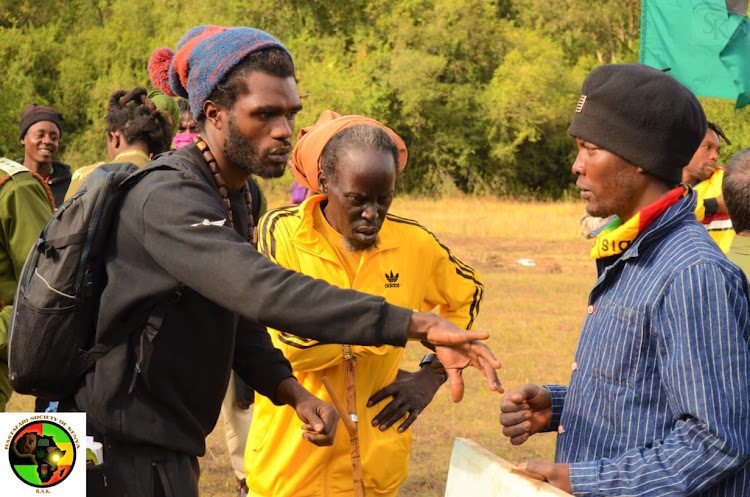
point(137, 157)
point(674, 215)
point(306, 237)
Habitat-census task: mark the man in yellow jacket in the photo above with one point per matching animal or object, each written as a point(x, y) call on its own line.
point(705, 176)
point(346, 237)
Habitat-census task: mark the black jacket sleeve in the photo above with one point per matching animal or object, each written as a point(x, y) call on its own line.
point(261, 365)
point(184, 228)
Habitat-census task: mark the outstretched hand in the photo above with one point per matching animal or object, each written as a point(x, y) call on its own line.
point(457, 349)
point(456, 359)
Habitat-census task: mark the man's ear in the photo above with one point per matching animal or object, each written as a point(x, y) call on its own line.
point(114, 139)
point(322, 182)
point(214, 113)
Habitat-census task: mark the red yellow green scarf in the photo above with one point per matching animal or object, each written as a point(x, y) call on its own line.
point(616, 237)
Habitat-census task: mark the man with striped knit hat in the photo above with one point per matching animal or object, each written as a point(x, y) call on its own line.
point(187, 286)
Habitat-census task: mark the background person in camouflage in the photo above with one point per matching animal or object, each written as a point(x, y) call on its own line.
point(25, 207)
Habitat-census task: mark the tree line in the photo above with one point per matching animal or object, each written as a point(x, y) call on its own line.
point(481, 91)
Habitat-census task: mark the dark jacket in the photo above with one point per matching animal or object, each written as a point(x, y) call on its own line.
point(58, 181)
point(165, 387)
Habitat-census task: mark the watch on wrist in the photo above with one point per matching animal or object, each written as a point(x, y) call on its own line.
point(432, 361)
point(428, 359)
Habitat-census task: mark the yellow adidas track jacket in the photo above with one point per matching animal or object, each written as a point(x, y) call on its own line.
point(410, 268)
point(719, 226)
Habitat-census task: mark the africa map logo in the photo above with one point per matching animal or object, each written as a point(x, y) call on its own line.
point(42, 453)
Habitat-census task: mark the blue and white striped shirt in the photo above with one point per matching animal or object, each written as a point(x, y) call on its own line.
point(659, 404)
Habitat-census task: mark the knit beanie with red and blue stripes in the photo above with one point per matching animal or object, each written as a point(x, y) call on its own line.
point(205, 55)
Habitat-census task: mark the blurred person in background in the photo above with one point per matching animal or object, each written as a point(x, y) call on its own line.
point(299, 193)
point(40, 131)
point(26, 205)
point(705, 175)
point(187, 129)
point(136, 132)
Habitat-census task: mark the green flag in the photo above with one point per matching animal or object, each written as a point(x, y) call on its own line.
point(706, 43)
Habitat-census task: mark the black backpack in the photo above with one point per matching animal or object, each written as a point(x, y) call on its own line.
point(52, 336)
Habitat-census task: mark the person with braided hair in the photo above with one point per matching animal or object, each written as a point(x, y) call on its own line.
point(136, 132)
point(26, 204)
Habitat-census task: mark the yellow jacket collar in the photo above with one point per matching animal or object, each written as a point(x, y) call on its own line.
point(135, 156)
point(306, 238)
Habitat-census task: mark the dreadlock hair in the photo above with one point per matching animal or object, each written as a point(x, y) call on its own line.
point(274, 61)
point(358, 137)
point(736, 190)
point(134, 115)
point(719, 132)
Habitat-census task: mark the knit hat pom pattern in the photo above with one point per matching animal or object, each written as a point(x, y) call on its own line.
point(158, 69)
point(204, 57)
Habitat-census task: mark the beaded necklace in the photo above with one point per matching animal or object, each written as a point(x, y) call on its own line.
point(211, 160)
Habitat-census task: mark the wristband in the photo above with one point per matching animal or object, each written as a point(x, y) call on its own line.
point(433, 361)
point(429, 359)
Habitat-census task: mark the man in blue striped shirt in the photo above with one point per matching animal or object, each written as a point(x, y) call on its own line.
point(659, 399)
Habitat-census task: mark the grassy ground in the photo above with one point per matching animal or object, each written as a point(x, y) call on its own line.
point(533, 314)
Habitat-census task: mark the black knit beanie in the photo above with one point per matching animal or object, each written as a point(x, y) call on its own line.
point(34, 113)
point(643, 115)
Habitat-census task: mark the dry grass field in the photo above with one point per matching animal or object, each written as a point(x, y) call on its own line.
point(533, 314)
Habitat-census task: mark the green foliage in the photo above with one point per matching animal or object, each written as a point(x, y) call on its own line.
point(734, 122)
point(527, 102)
point(606, 29)
point(481, 91)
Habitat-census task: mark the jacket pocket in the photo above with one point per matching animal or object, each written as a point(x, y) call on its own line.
point(612, 347)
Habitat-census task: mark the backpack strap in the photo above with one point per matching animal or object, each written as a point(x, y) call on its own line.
point(10, 168)
point(155, 320)
point(125, 329)
point(50, 197)
point(136, 176)
point(101, 171)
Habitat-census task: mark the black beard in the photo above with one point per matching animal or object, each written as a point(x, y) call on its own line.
point(244, 155)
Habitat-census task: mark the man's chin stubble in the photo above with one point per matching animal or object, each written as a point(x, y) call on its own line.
point(354, 246)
